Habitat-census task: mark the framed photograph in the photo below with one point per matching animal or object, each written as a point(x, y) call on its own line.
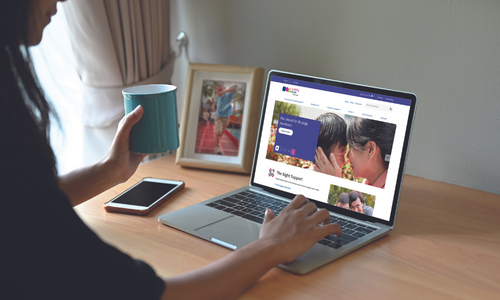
point(220, 117)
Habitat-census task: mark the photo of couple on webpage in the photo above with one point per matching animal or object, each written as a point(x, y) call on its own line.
point(345, 146)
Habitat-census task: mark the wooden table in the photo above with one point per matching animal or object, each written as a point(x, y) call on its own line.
point(446, 242)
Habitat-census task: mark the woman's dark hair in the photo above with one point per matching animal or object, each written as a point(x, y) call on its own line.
point(361, 131)
point(24, 108)
point(332, 132)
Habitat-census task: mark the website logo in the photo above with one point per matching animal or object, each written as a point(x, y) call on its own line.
point(271, 172)
point(293, 91)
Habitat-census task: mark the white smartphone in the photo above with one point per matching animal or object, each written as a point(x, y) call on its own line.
point(143, 197)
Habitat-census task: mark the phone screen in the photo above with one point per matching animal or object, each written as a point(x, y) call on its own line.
point(145, 193)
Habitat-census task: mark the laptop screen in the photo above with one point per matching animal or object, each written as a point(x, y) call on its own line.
point(340, 144)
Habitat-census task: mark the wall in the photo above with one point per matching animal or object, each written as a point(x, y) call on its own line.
point(447, 52)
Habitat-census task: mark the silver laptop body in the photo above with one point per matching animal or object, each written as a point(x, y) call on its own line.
point(233, 220)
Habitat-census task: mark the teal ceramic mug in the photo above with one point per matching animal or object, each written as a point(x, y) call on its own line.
point(158, 130)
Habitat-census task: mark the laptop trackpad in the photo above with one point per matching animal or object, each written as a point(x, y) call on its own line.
point(233, 231)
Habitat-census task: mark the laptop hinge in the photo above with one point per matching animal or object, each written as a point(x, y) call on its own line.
point(256, 188)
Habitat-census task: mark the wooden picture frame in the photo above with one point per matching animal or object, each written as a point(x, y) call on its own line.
point(212, 92)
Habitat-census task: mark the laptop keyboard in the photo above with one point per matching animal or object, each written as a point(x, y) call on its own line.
point(251, 206)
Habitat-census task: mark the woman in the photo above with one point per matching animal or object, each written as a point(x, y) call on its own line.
point(48, 252)
point(370, 145)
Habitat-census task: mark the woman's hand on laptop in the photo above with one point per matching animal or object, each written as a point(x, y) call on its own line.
point(296, 229)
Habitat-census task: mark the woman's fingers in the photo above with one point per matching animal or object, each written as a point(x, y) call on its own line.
point(334, 161)
point(322, 161)
point(317, 161)
point(309, 208)
point(329, 229)
point(322, 155)
point(268, 216)
point(322, 217)
point(126, 124)
point(317, 157)
point(297, 202)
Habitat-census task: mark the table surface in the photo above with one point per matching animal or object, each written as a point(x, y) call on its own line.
point(446, 242)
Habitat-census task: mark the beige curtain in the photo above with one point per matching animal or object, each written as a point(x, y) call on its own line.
point(117, 43)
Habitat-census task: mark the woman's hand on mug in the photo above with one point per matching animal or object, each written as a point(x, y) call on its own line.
point(324, 165)
point(119, 159)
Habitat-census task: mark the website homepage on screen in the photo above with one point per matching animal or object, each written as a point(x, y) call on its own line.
point(335, 145)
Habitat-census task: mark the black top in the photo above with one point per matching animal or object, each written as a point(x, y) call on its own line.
point(46, 251)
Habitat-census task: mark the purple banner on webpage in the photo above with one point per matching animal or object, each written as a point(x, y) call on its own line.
point(297, 137)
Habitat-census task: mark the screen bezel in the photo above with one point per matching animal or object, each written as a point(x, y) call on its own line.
point(392, 93)
point(177, 184)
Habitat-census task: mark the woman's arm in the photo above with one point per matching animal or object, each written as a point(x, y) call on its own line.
point(115, 167)
point(282, 239)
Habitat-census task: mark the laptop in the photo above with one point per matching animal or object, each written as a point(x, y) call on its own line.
point(370, 131)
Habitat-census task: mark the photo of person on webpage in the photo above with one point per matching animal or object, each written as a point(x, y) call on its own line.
point(370, 145)
point(332, 145)
point(351, 199)
point(343, 201)
point(357, 203)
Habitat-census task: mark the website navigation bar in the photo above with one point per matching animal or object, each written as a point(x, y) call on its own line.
point(340, 90)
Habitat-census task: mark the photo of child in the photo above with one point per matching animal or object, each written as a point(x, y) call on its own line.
point(220, 118)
